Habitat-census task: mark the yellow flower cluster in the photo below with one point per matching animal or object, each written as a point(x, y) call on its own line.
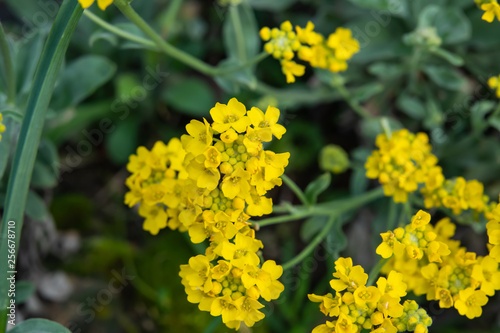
point(2, 126)
point(103, 4)
point(436, 266)
point(404, 161)
point(491, 9)
point(358, 306)
point(401, 163)
point(493, 228)
point(210, 182)
point(494, 83)
point(231, 287)
point(329, 53)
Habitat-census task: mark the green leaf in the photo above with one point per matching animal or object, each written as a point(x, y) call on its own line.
point(275, 5)
point(80, 79)
point(336, 240)
point(72, 121)
point(495, 122)
point(452, 58)
point(317, 186)
point(450, 22)
point(250, 33)
point(24, 290)
point(412, 106)
point(103, 35)
point(453, 26)
point(36, 208)
point(386, 70)
point(38, 325)
point(478, 111)
point(365, 92)
point(370, 128)
point(45, 172)
point(191, 96)
point(43, 176)
point(358, 182)
point(41, 91)
point(445, 77)
point(392, 7)
point(26, 60)
point(311, 227)
point(122, 141)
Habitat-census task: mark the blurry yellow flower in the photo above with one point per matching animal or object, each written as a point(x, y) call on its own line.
point(2, 127)
point(491, 10)
point(291, 69)
point(494, 82)
point(103, 4)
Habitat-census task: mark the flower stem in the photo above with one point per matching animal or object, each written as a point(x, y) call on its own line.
point(168, 49)
point(282, 219)
point(315, 242)
point(335, 207)
point(295, 189)
point(29, 138)
point(375, 271)
point(8, 67)
point(119, 32)
point(338, 83)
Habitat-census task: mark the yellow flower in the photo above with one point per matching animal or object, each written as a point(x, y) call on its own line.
point(103, 4)
point(493, 83)
point(307, 35)
point(344, 325)
point(281, 43)
point(491, 10)
point(420, 219)
point(267, 122)
point(470, 301)
point(2, 127)
point(487, 273)
point(242, 252)
point(199, 138)
point(232, 115)
point(393, 285)
point(342, 42)
point(291, 69)
point(364, 295)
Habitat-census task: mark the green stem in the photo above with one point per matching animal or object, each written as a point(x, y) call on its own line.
point(375, 271)
point(345, 205)
point(30, 134)
point(168, 49)
point(283, 219)
point(295, 189)
point(384, 122)
point(8, 67)
point(319, 237)
point(172, 13)
point(238, 31)
point(335, 207)
point(414, 68)
point(339, 85)
point(13, 114)
point(391, 219)
point(119, 32)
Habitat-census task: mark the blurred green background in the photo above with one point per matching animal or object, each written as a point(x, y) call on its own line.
point(84, 259)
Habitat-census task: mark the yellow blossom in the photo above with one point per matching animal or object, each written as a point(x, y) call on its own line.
point(103, 4)
point(491, 10)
